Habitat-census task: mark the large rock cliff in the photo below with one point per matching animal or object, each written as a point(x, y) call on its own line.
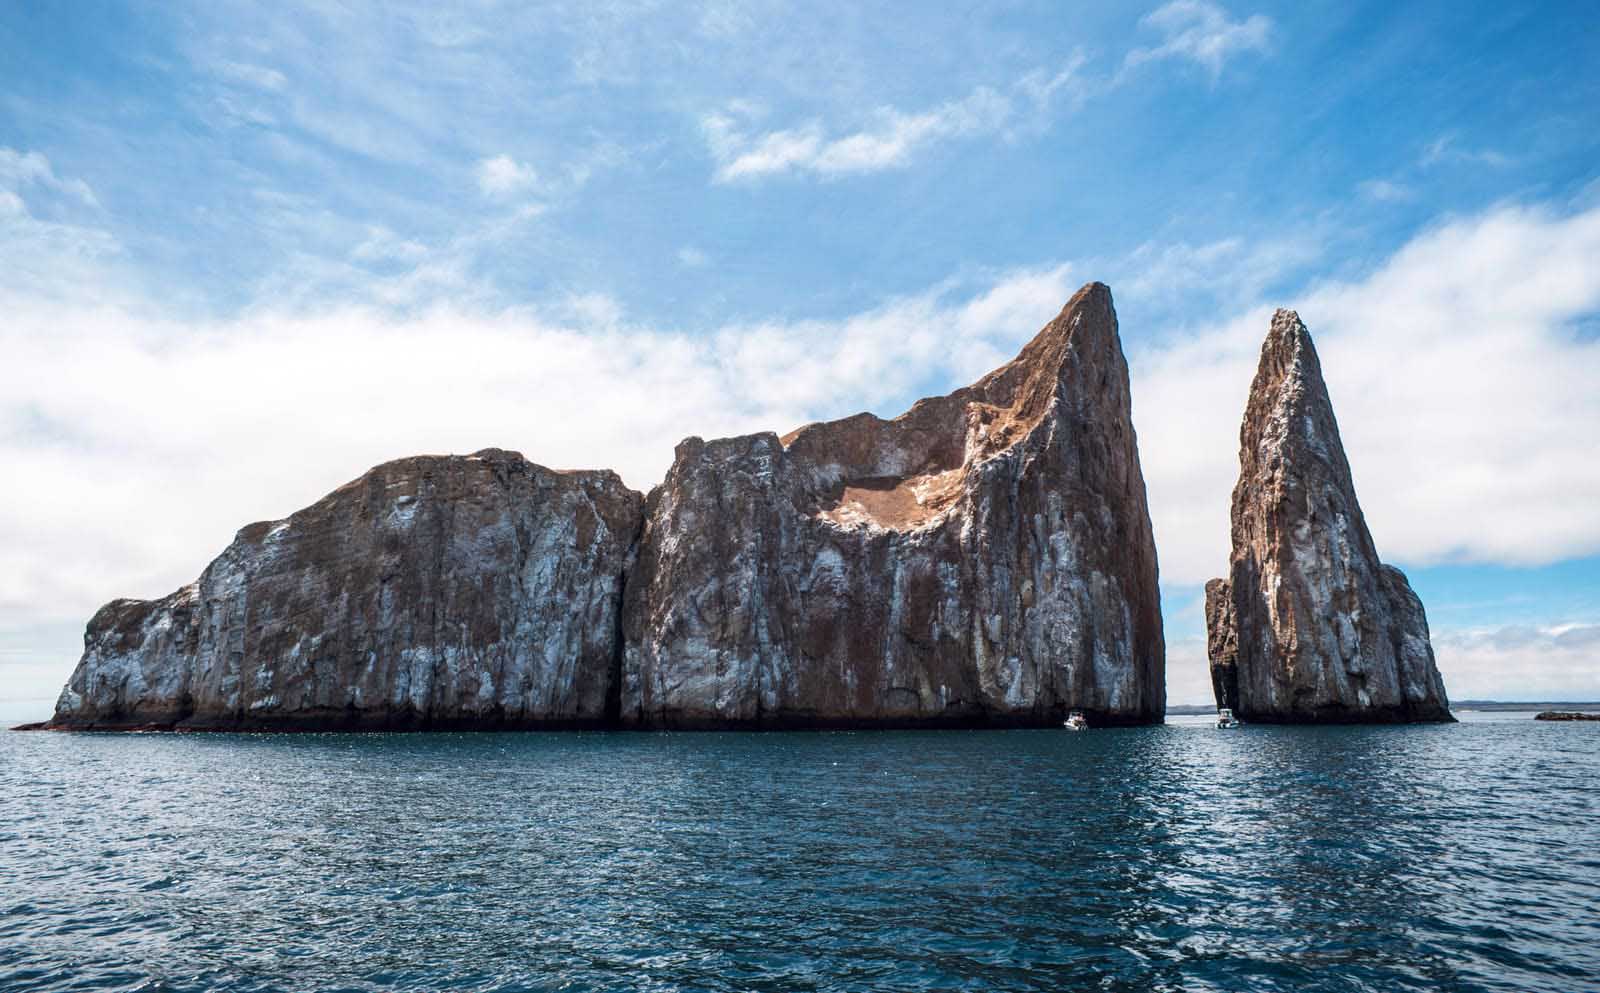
point(1309, 626)
point(431, 592)
point(986, 558)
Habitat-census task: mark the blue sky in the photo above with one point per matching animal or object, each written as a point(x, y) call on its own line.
point(249, 250)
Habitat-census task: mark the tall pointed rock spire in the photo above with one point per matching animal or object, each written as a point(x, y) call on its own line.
point(986, 558)
point(1310, 626)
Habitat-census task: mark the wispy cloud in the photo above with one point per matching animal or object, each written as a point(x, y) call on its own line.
point(1222, 272)
point(503, 176)
point(1385, 191)
point(1203, 33)
point(261, 77)
point(21, 169)
point(379, 268)
point(51, 260)
point(382, 244)
point(1191, 30)
point(1445, 149)
point(893, 135)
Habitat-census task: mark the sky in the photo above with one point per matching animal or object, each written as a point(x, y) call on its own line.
point(248, 251)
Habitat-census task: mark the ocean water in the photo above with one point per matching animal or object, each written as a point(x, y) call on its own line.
point(1461, 857)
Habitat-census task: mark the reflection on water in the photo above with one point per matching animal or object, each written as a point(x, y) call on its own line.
point(1461, 857)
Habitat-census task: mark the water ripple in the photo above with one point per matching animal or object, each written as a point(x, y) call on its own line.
point(1175, 858)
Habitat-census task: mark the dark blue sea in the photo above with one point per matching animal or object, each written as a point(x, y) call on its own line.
point(1461, 857)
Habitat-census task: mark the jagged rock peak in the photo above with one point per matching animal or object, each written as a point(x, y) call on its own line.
point(985, 557)
point(1310, 626)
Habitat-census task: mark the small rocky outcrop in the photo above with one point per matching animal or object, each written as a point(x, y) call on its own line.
point(1565, 715)
point(986, 558)
point(477, 591)
point(1309, 626)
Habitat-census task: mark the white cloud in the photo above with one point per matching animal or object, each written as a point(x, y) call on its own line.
point(1188, 671)
point(893, 136)
point(1202, 33)
point(334, 258)
point(1221, 272)
point(19, 169)
point(1385, 191)
point(1544, 662)
point(1444, 149)
point(1193, 30)
point(503, 176)
point(260, 77)
point(743, 155)
point(1066, 84)
point(691, 257)
point(833, 368)
point(52, 259)
point(383, 245)
point(1467, 404)
point(594, 311)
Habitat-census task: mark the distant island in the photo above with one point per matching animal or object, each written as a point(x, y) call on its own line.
point(1516, 705)
point(1192, 709)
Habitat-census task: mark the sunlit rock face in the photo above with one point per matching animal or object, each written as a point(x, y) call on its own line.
point(984, 558)
point(431, 592)
point(1309, 626)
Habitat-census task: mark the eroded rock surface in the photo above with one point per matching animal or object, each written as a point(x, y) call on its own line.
point(1309, 626)
point(984, 558)
point(1222, 643)
point(431, 592)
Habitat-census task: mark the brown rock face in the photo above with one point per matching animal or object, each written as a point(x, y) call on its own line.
point(1222, 643)
point(984, 558)
point(431, 592)
point(1310, 626)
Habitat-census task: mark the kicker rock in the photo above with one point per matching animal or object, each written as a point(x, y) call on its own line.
point(1310, 626)
point(431, 592)
point(985, 558)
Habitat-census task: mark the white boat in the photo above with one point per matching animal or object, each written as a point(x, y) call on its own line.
point(1225, 719)
point(1076, 721)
